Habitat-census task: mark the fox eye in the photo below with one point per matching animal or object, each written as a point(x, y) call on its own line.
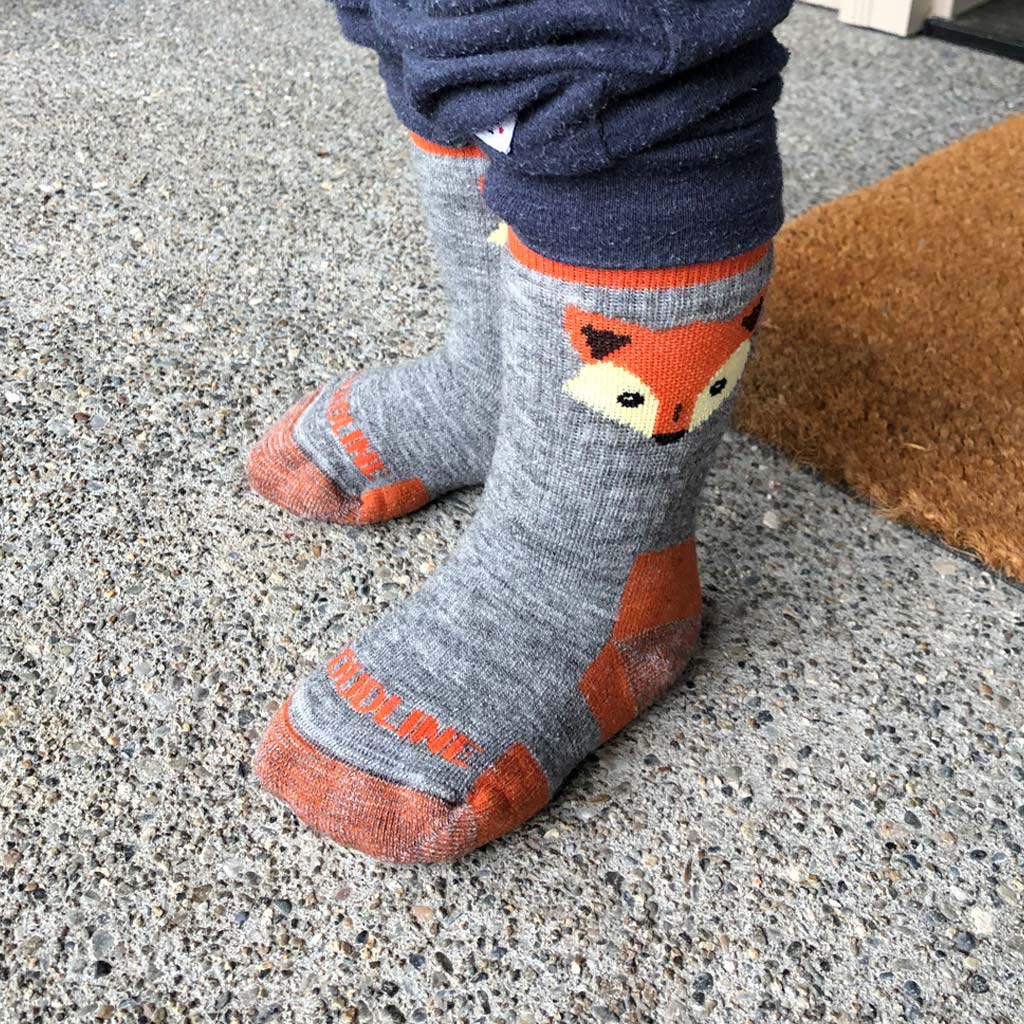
point(719, 386)
point(630, 399)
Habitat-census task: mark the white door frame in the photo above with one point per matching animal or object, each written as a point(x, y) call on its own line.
point(900, 17)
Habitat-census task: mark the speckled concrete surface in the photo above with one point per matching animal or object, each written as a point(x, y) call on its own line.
point(202, 207)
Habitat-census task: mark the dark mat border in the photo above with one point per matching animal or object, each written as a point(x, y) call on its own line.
point(961, 35)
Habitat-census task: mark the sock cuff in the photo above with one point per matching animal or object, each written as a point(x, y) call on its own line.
point(437, 149)
point(683, 276)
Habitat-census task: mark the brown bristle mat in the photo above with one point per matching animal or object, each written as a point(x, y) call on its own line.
point(891, 355)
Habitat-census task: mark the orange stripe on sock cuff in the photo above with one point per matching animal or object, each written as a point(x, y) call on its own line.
point(438, 150)
point(658, 277)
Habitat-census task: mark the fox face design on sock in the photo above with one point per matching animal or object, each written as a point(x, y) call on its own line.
point(661, 383)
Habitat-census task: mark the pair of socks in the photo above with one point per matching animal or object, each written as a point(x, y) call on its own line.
point(591, 401)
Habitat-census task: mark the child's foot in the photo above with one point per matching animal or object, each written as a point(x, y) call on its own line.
point(377, 444)
point(573, 600)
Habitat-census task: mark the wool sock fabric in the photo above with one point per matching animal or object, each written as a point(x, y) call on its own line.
point(382, 442)
point(572, 602)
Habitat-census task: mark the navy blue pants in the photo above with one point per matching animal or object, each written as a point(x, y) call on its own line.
point(645, 133)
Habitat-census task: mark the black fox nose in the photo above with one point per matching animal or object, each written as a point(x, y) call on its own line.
point(669, 438)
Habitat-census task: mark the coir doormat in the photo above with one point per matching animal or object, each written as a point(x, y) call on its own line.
point(891, 356)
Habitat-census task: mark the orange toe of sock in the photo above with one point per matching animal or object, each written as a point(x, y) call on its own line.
point(356, 809)
point(389, 821)
point(280, 471)
point(388, 501)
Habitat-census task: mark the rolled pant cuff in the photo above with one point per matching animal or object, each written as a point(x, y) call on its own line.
point(657, 209)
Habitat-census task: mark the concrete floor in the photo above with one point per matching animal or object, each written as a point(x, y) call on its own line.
point(203, 206)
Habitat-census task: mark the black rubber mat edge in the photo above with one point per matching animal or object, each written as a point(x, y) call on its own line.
point(951, 32)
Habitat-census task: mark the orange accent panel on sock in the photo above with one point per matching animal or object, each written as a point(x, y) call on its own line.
point(656, 628)
point(438, 150)
point(606, 689)
point(657, 277)
point(663, 586)
point(512, 790)
point(653, 660)
point(280, 471)
point(356, 809)
point(391, 500)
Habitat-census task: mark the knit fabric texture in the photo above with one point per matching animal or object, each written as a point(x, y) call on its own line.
point(573, 600)
point(377, 444)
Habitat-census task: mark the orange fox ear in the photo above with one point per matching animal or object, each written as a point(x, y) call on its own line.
point(595, 337)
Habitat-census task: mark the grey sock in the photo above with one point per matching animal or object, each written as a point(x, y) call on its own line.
point(379, 443)
point(573, 600)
